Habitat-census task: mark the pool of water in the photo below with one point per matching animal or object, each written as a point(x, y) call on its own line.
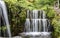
point(36, 34)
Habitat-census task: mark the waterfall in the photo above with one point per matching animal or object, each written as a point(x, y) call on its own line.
point(44, 21)
point(37, 21)
point(36, 24)
point(4, 12)
point(0, 21)
point(27, 23)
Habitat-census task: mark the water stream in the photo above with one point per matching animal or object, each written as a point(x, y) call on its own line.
point(4, 16)
point(36, 21)
point(36, 24)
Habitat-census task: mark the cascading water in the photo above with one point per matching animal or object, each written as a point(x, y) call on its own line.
point(3, 15)
point(36, 25)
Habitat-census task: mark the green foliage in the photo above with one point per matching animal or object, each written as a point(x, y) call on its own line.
point(16, 16)
point(56, 24)
point(17, 11)
point(34, 4)
point(50, 13)
point(3, 28)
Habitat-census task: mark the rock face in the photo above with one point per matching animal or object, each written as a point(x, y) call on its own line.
point(56, 7)
point(57, 10)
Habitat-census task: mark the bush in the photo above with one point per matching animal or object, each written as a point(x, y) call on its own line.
point(16, 16)
point(56, 24)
